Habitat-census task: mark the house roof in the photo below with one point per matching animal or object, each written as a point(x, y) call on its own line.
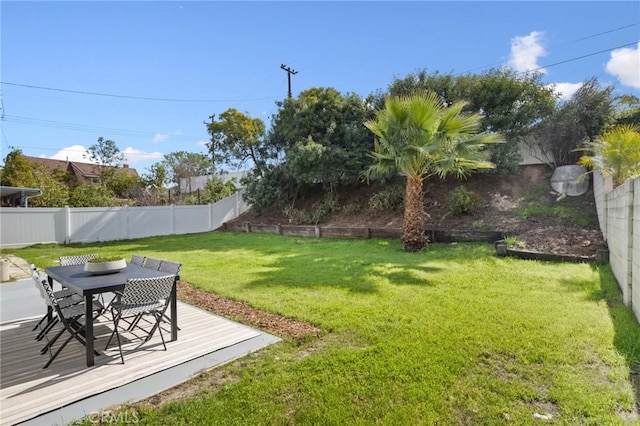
point(76, 167)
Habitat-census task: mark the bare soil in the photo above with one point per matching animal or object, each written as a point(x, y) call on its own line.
point(504, 197)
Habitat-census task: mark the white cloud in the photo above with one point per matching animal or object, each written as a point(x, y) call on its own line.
point(133, 156)
point(566, 90)
point(160, 137)
point(203, 144)
point(525, 52)
point(625, 65)
point(71, 153)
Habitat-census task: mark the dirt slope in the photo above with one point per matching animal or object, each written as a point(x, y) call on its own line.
point(568, 226)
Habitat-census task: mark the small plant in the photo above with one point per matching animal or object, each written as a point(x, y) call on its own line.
point(511, 241)
point(478, 224)
point(351, 208)
point(104, 259)
point(463, 202)
point(387, 199)
point(534, 195)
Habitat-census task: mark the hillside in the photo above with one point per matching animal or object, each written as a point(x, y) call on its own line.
point(523, 206)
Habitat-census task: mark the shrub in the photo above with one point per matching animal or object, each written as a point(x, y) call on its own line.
point(463, 202)
point(387, 199)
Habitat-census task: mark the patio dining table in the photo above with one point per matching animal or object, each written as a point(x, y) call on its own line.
point(84, 283)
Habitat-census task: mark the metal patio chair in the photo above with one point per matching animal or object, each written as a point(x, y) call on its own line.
point(170, 267)
point(164, 266)
point(70, 317)
point(141, 297)
point(64, 297)
point(76, 260)
point(152, 263)
point(137, 259)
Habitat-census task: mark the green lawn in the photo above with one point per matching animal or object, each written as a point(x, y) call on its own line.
point(452, 335)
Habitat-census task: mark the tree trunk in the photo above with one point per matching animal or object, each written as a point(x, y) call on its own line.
point(413, 238)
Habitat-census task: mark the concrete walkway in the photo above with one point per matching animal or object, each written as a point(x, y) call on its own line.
point(18, 268)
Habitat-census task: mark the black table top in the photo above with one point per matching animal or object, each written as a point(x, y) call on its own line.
point(83, 282)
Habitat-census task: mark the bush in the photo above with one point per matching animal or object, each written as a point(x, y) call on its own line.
point(317, 214)
point(272, 188)
point(463, 202)
point(387, 199)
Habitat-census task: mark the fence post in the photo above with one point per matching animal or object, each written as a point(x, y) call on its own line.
point(629, 230)
point(67, 225)
point(125, 221)
point(172, 216)
point(210, 225)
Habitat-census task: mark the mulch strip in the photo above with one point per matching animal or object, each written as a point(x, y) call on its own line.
point(244, 313)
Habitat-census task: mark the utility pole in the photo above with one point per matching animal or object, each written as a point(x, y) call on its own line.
point(212, 147)
point(289, 72)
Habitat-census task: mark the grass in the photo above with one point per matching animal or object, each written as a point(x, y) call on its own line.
point(573, 214)
point(452, 335)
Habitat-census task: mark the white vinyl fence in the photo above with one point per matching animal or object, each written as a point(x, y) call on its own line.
point(21, 227)
point(619, 216)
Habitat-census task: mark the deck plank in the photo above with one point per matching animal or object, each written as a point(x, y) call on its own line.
point(27, 390)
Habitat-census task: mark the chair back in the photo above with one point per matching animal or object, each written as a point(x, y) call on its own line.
point(170, 267)
point(152, 263)
point(137, 259)
point(139, 291)
point(76, 260)
point(47, 292)
point(38, 279)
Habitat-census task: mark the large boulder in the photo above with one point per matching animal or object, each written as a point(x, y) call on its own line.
point(570, 180)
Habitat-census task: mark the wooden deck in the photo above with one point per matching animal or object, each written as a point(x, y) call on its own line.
point(27, 390)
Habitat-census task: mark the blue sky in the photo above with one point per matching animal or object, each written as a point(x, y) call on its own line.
point(75, 71)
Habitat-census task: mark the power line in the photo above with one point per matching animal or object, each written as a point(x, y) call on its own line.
point(81, 92)
point(602, 33)
point(87, 128)
point(128, 154)
point(569, 42)
point(578, 57)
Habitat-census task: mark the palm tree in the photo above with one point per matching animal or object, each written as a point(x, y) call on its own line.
point(418, 136)
point(616, 153)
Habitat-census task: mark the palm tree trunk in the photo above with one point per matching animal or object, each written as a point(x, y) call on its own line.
point(413, 238)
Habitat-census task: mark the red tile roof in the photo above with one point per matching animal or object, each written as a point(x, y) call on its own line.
point(86, 170)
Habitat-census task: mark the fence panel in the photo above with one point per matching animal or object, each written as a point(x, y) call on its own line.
point(22, 227)
point(44, 225)
point(191, 219)
point(150, 221)
point(90, 224)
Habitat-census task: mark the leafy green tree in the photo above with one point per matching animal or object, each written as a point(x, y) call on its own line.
point(106, 154)
point(509, 103)
point(419, 137)
point(237, 138)
point(216, 189)
point(54, 192)
point(185, 165)
point(157, 176)
point(124, 185)
point(327, 126)
point(90, 196)
point(627, 110)
point(615, 153)
point(17, 171)
point(273, 188)
point(588, 113)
